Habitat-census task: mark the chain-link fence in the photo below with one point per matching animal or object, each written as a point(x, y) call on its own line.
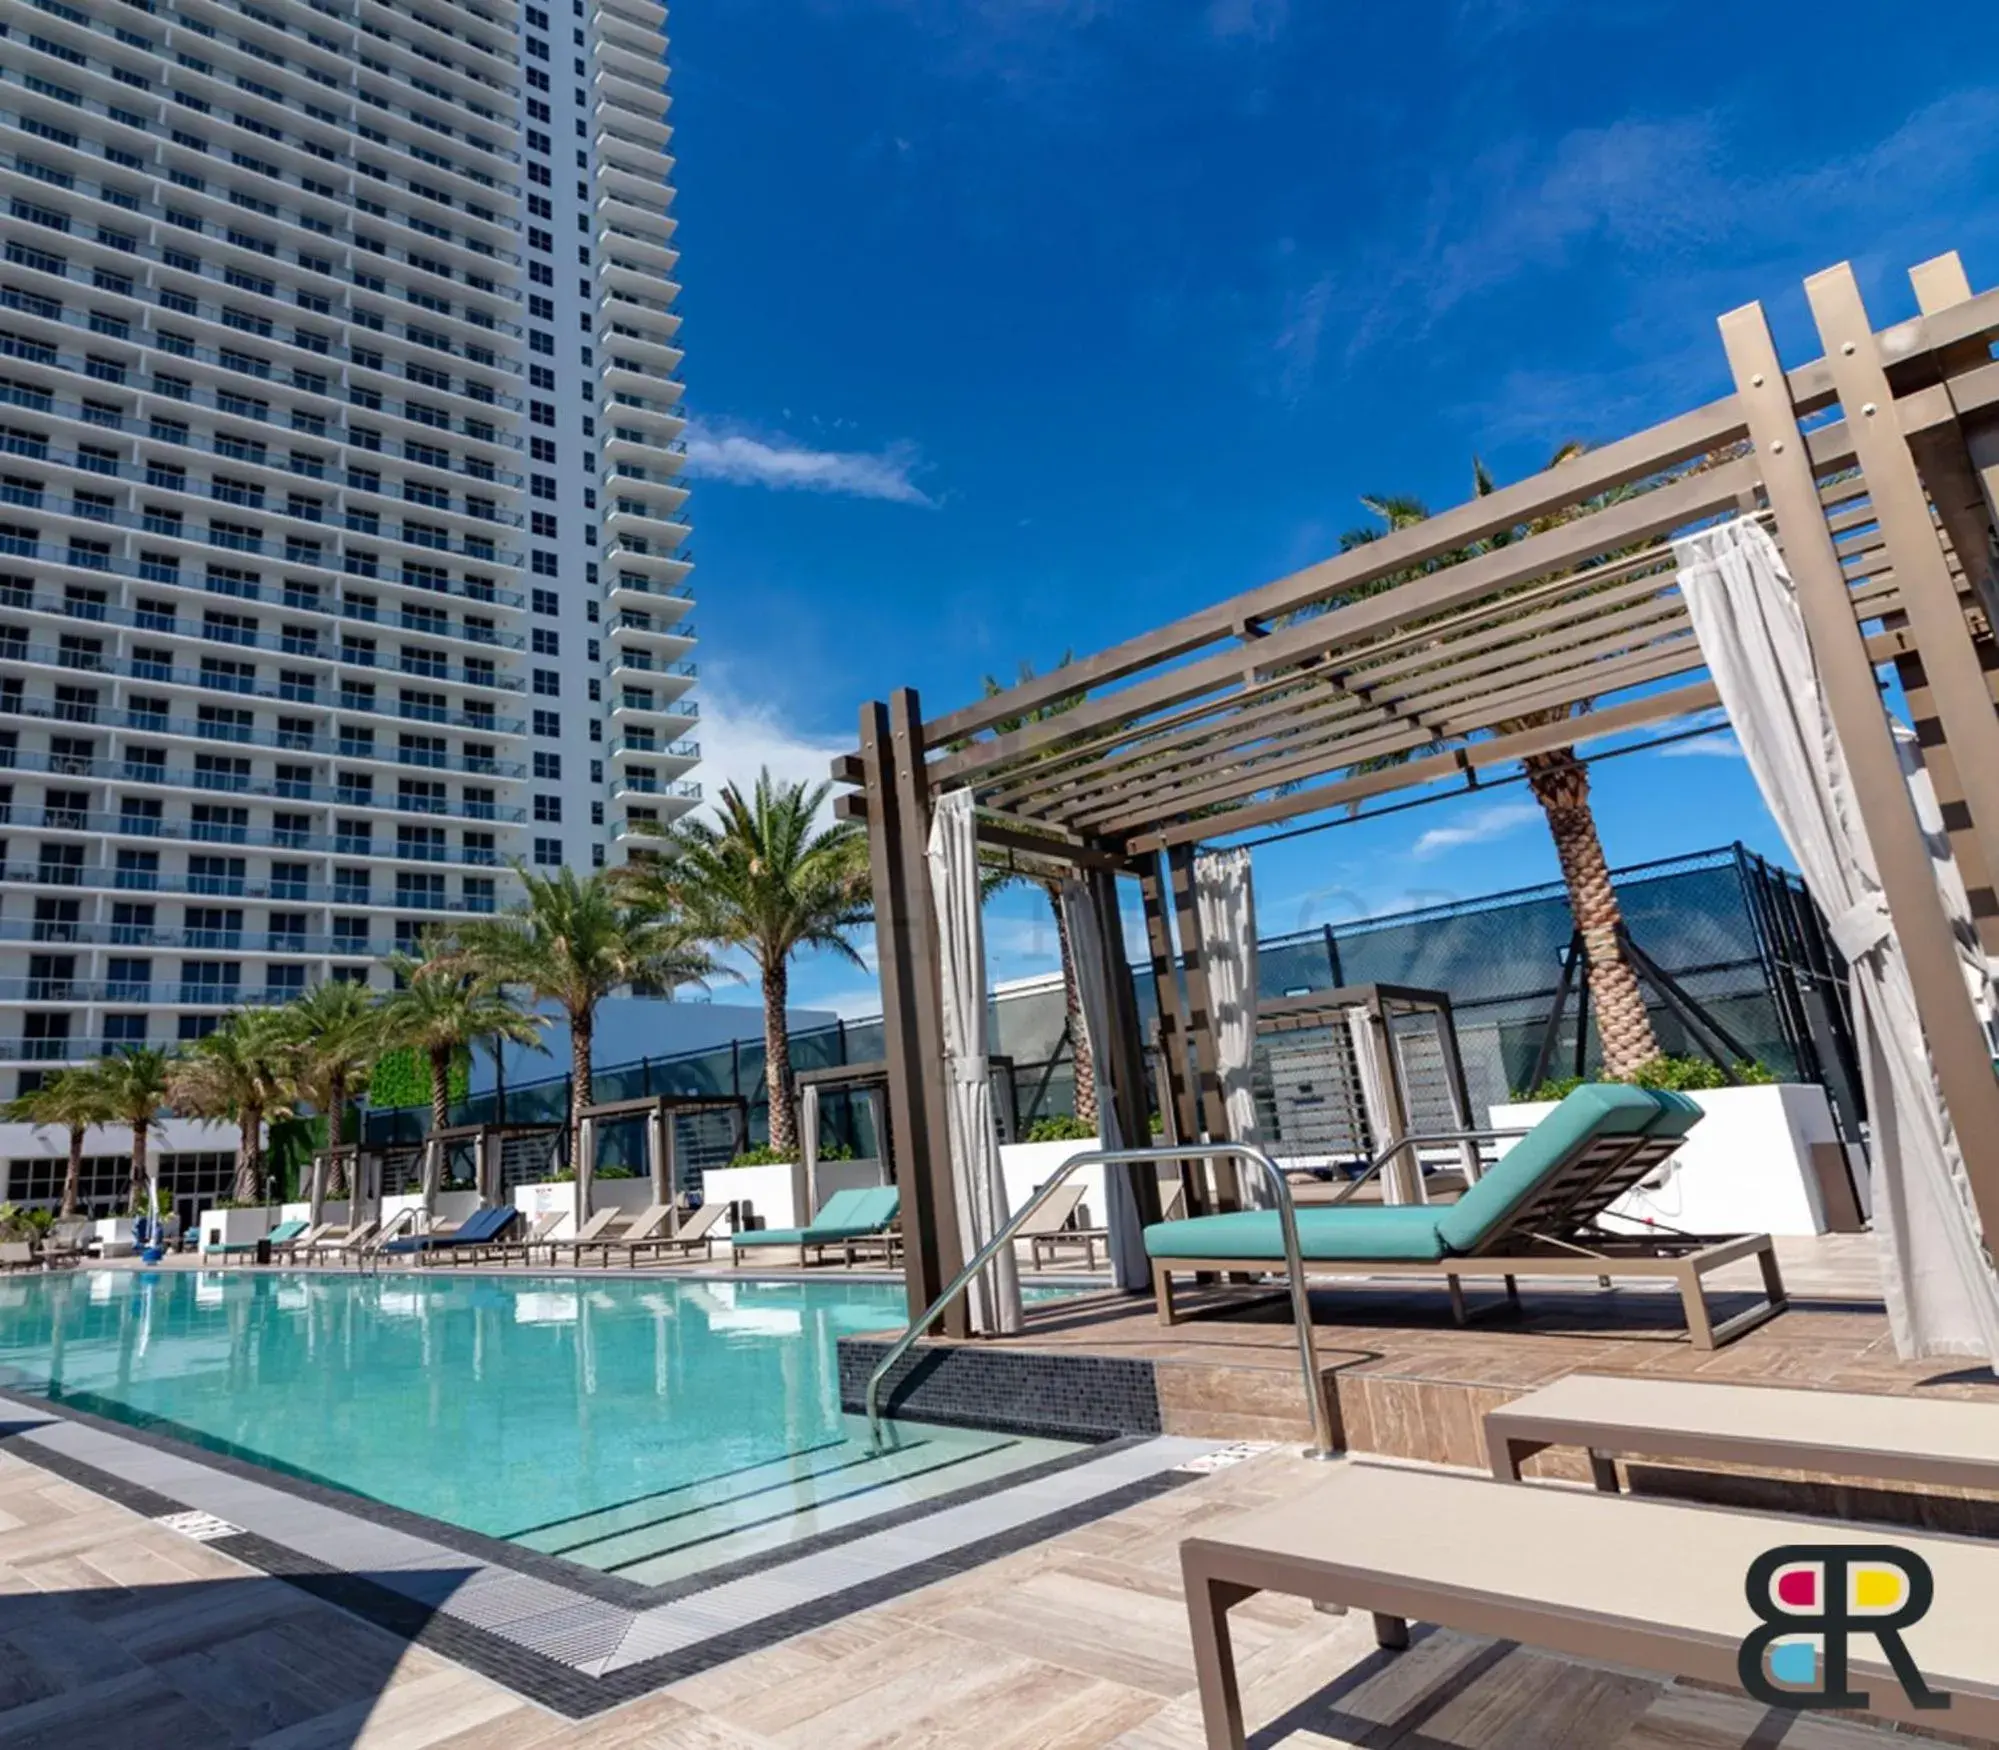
point(1738, 935)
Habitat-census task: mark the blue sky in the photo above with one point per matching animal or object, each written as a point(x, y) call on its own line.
point(1016, 326)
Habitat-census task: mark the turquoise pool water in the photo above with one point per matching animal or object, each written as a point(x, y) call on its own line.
point(652, 1428)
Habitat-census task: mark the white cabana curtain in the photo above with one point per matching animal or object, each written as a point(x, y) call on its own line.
point(1129, 1268)
point(993, 1300)
point(1384, 1122)
point(805, 1186)
point(1940, 1285)
point(1225, 905)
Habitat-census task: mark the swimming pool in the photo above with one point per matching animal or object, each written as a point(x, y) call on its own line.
point(654, 1429)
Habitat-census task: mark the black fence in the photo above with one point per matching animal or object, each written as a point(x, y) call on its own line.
point(1738, 935)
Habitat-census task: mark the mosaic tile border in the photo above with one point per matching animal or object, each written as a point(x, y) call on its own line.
point(547, 1638)
point(1052, 1393)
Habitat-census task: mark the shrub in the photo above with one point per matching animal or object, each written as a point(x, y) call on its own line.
point(17, 1223)
point(763, 1155)
point(1062, 1127)
point(1682, 1075)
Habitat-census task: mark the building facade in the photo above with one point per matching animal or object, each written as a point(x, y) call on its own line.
point(341, 549)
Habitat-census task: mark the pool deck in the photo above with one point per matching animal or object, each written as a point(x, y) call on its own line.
point(116, 1631)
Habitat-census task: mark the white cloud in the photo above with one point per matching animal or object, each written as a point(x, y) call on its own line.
point(787, 466)
point(1476, 829)
point(741, 736)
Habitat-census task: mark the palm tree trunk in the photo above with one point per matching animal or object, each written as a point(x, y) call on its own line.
point(139, 1175)
point(1072, 1002)
point(582, 1024)
point(246, 1189)
point(780, 1085)
point(440, 1088)
point(1560, 783)
point(336, 1174)
point(72, 1180)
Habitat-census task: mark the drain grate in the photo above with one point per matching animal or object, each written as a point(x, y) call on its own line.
point(202, 1527)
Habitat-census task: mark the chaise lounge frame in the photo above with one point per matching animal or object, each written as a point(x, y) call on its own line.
point(1554, 1232)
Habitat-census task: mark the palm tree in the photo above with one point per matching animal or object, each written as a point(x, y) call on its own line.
point(1559, 782)
point(134, 1085)
point(337, 1035)
point(246, 1072)
point(573, 942)
point(440, 1009)
point(768, 881)
point(71, 1100)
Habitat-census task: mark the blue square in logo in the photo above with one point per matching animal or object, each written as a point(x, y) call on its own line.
point(1795, 1663)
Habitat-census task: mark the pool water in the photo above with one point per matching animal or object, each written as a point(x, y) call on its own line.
point(650, 1428)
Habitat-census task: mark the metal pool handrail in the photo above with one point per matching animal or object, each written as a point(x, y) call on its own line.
point(1287, 1221)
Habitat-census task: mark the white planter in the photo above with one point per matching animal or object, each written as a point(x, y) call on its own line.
point(114, 1236)
point(1745, 1168)
point(548, 1197)
point(230, 1227)
point(771, 1193)
point(1028, 1166)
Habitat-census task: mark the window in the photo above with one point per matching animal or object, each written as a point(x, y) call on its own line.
point(547, 723)
point(548, 853)
point(548, 766)
point(547, 642)
point(543, 524)
point(546, 602)
point(544, 565)
point(548, 809)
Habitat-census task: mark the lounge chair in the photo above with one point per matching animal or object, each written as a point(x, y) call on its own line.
point(588, 1234)
point(337, 1244)
point(1649, 1585)
point(507, 1248)
point(697, 1230)
point(477, 1229)
point(640, 1227)
point(374, 1237)
point(1049, 1228)
point(858, 1214)
point(303, 1242)
point(67, 1243)
point(281, 1235)
point(1533, 1214)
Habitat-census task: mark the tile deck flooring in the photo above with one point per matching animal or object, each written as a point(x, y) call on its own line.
point(117, 1631)
point(117, 1628)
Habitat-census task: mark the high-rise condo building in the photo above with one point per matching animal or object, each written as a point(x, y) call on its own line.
point(340, 535)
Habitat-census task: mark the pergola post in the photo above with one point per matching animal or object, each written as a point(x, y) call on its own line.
point(1957, 1042)
point(898, 804)
point(1901, 506)
point(1967, 504)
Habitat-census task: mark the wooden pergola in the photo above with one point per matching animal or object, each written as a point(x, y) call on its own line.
point(1462, 645)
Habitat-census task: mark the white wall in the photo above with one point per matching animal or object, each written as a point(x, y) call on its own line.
point(1745, 1168)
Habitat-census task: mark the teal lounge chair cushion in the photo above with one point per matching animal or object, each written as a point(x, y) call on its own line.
point(1594, 1110)
point(285, 1230)
point(852, 1214)
point(1326, 1235)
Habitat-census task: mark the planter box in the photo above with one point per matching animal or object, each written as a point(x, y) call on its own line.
point(771, 1191)
point(232, 1227)
point(547, 1196)
point(1745, 1168)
